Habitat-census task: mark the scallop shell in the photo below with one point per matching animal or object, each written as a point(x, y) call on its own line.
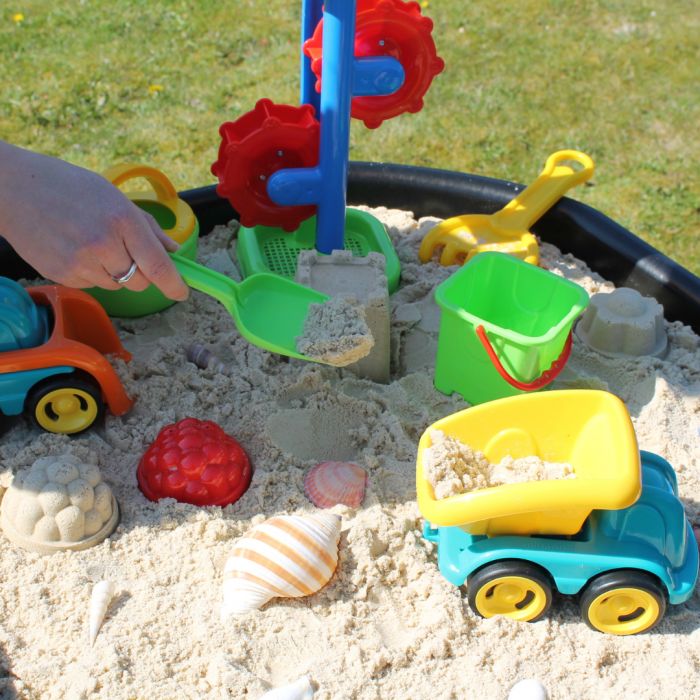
point(286, 556)
point(331, 483)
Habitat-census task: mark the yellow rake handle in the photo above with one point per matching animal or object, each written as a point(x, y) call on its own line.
point(515, 218)
point(549, 187)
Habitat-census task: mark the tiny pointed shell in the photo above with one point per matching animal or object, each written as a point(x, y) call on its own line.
point(331, 483)
point(286, 556)
point(102, 595)
point(300, 690)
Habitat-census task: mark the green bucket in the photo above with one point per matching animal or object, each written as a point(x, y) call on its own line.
point(269, 249)
point(502, 317)
point(128, 304)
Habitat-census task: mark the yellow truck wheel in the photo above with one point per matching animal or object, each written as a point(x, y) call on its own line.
point(65, 404)
point(516, 589)
point(623, 602)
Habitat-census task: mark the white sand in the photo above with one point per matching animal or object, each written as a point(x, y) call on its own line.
point(388, 626)
point(335, 332)
point(453, 467)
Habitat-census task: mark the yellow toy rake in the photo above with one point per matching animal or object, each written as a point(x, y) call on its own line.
point(507, 230)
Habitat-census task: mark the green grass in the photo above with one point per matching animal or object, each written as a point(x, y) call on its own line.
point(618, 80)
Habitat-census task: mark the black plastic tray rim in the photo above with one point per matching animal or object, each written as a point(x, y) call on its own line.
point(605, 246)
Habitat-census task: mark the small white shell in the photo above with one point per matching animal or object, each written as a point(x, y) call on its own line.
point(529, 689)
point(286, 556)
point(102, 595)
point(299, 690)
point(331, 483)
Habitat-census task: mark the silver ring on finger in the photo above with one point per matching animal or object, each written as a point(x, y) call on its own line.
point(125, 278)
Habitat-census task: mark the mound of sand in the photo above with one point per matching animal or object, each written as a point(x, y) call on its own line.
point(452, 467)
point(335, 332)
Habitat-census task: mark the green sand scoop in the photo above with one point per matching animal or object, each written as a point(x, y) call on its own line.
point(268, 310)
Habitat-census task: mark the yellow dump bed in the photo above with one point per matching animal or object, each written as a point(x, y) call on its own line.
point(591, 430)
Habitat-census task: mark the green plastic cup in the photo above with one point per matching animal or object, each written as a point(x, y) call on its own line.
point(526, 313)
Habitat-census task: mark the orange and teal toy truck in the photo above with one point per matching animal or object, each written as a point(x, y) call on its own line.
point(53, 365)
point(616, 535)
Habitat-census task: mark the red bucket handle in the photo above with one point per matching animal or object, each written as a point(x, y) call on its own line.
point(547, 375)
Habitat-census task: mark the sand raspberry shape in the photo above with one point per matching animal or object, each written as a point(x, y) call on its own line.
point(195, 462)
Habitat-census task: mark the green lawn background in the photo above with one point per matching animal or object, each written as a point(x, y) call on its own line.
point(617, 80)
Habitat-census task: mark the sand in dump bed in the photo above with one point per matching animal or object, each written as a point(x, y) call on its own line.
point(335, 332)
point(452, 467)
point(388, 626)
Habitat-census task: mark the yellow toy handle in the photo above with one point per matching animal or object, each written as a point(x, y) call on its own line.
point(550, 186)
point(163, 193)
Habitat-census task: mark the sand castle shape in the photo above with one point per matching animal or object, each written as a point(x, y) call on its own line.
point(624, 324)
point(362, 280)
point(58, 504)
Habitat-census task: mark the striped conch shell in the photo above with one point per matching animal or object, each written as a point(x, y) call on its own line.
point(300, 690)
point(286, 556)
point(331, 483)
point(102, 595)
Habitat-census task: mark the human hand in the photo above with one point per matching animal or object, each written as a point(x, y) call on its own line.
point(76, 228)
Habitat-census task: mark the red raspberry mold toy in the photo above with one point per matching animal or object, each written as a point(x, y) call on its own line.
point(195, 462)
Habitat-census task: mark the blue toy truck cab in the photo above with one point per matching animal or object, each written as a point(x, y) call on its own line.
point(23, 324)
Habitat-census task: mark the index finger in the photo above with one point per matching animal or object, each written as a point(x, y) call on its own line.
point(155, 264)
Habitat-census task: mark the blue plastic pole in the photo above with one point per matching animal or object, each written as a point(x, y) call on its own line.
point(311, 13)
point(342, 77)
point(336, 98)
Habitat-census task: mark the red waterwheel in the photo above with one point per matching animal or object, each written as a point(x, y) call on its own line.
point(267, 139)
point(388, 28)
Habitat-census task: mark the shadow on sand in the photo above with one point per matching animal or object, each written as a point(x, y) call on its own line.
point(11, 687)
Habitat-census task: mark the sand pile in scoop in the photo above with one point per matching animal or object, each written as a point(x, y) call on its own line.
point(388, 625)
point(452, 467)
point(335, 332)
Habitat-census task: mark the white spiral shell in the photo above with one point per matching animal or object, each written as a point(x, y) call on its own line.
point(286, 556)
point(102, 595)
point(299, 690)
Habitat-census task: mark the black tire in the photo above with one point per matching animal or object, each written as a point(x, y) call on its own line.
point(85, 391)
point(533, 604)
point(600, 593)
